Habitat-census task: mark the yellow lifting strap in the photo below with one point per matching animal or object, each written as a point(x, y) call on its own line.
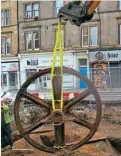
point(58, 46)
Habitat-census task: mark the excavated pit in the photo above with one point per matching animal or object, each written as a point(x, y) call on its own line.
point(110, 127)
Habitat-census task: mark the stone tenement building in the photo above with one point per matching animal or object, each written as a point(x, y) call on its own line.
point(9, 46)
point(95, 44)
point(9, 34)
point(103, 30)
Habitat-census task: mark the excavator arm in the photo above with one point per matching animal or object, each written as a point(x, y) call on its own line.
point(78, 12)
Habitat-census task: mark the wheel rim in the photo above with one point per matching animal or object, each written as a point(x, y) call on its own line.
point(91, 90)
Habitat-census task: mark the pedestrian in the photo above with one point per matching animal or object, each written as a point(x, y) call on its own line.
point(5, 127)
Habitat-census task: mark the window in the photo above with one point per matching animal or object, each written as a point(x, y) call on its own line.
point(45, 80)
point(35, 9)
point(59, 4)
point(32, 10)
point(30, 72)
point(29, 41)
point(32, 41)
point(3, 79)
point(5, 17)
point(82, 62)
point(89, 36)
point(120, 34)
point(85, 36)
point(36, 40)
point(2, 18)
point(8, 45)
point(28, 11)
point(119, 4)
point(12, 80)
point(93, 36)
point(2, 46)
point(5, 46)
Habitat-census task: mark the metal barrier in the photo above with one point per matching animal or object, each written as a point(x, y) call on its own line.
point(103, 79)
point(106, 79)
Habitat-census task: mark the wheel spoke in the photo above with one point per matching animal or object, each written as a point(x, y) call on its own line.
point(83, 123)
point(79, 98)
point(35, 125)
point(35, 99)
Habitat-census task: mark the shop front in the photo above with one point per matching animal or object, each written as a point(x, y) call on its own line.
point(82, 65)
point(108, 62)
point(10, 75)
point(29, 64)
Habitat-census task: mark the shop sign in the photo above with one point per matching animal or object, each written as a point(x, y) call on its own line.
point(105, 56)
point(99, 56)
point(67, 61)
point(112, 55)
point(9, 66)
point(45, 61)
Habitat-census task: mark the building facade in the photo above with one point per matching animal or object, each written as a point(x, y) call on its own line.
point(9, 46)
point(29, 64)
point(95, 44)
point(37, 29)
point(105, 43)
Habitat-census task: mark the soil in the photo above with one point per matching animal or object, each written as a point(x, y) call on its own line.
point(110, 127)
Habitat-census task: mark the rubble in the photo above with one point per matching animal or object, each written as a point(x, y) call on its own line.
point(110, 126)
point(67, 152)
point(112, 114)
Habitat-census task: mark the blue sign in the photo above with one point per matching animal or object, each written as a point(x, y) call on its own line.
point(32, 62)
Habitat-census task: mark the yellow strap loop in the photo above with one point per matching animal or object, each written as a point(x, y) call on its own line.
point(59, 147)
point(58, 44)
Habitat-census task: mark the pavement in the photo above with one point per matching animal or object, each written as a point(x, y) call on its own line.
point(111, 95)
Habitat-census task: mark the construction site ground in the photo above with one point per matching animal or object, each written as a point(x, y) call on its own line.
point(110, 126)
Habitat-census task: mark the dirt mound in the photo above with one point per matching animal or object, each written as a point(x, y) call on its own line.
point(65, 152)
point(110, 126)
point(112, 114)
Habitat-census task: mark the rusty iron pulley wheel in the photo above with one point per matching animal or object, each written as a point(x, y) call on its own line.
point(51, 117)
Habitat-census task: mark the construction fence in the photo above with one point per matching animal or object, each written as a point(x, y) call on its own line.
point(102, 79)
point(107, 79)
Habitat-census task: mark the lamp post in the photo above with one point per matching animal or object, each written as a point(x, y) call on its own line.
point(109, 70)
